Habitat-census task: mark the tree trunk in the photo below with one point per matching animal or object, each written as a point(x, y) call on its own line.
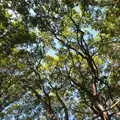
point(102, 112)
point(64, 106)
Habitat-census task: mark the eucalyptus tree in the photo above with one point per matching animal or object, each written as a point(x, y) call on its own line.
point(79, 76)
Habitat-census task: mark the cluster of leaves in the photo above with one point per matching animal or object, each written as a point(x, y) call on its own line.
point(80, 79)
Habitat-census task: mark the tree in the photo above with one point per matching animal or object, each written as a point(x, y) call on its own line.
point(81, 78)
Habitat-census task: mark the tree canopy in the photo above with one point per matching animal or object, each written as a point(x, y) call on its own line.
point(59, 59)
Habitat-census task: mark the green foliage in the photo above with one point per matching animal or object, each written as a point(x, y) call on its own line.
point(83, 73)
